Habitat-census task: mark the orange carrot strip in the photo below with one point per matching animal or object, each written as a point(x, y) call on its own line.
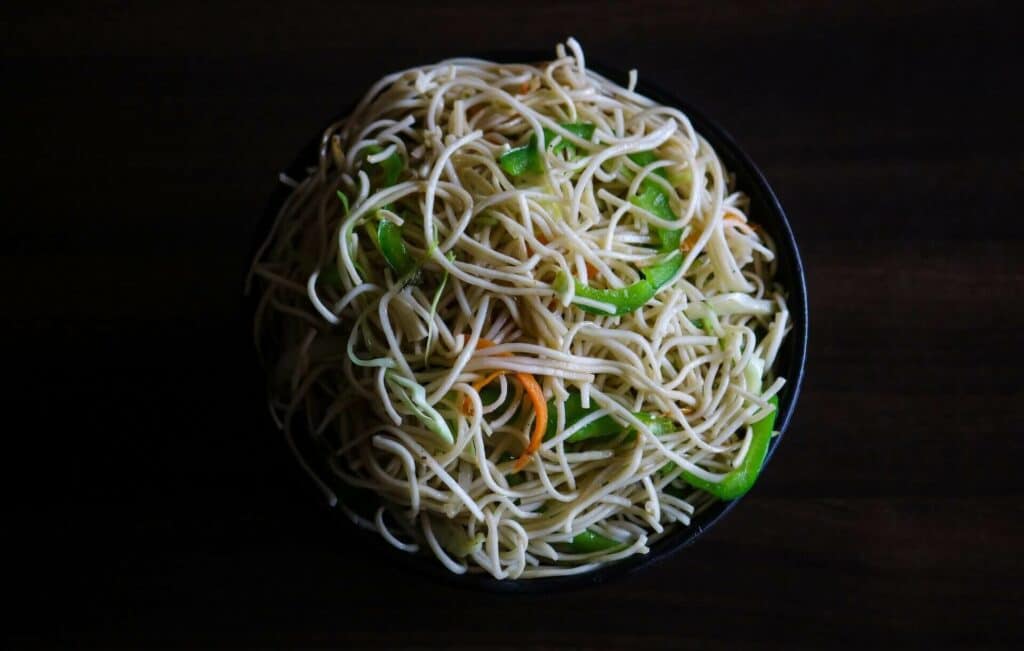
point(689, 242)
point(467, 405)
point(480, 384)
point(742, 224)
point(540, 406)
point(540, 238)
point(482, 343)
point(540, 423)
point(736, 217)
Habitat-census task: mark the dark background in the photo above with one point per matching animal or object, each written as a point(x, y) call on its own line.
point(150, 503)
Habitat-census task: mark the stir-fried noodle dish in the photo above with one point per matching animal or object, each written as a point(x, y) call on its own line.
point(517, 317)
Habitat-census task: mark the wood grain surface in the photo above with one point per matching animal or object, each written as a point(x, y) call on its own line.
point(152, 505)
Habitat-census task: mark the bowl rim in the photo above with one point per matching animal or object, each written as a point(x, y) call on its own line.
point(756, 186)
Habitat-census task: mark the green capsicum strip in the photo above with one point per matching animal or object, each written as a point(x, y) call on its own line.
point(645, 158)
point(654, 199)
point(602, 427)
point(630, 298)
point(588, 541)
point(733, 485)
point(390, 167)
point(395, 253)
point(739, 480)
point(389, 239)
point(623, 300)
point(584, 130)
point(528, 158)
point(521, 160)
point(574, 411)
point(388, 236)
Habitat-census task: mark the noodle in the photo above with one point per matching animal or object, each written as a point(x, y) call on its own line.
point(411, 265)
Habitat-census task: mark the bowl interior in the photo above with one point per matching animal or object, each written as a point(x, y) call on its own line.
point(766, 210)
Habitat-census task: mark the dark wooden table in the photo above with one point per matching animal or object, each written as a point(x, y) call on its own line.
point(152, 505)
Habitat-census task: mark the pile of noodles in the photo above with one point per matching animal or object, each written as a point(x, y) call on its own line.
point(377, 370)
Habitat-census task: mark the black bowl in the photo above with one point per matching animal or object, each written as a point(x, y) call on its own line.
point(766, 211)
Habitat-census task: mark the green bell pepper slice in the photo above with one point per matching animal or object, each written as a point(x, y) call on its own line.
point(739, 480)
point(602, 427)
point(588, 541)
point(390, 168)
point(654, 199)
point(389, 239)
point(522, 160)
point(584, 130)
point(624, 299)
point(528, 158)
point(735, 484)
point(574, 411)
